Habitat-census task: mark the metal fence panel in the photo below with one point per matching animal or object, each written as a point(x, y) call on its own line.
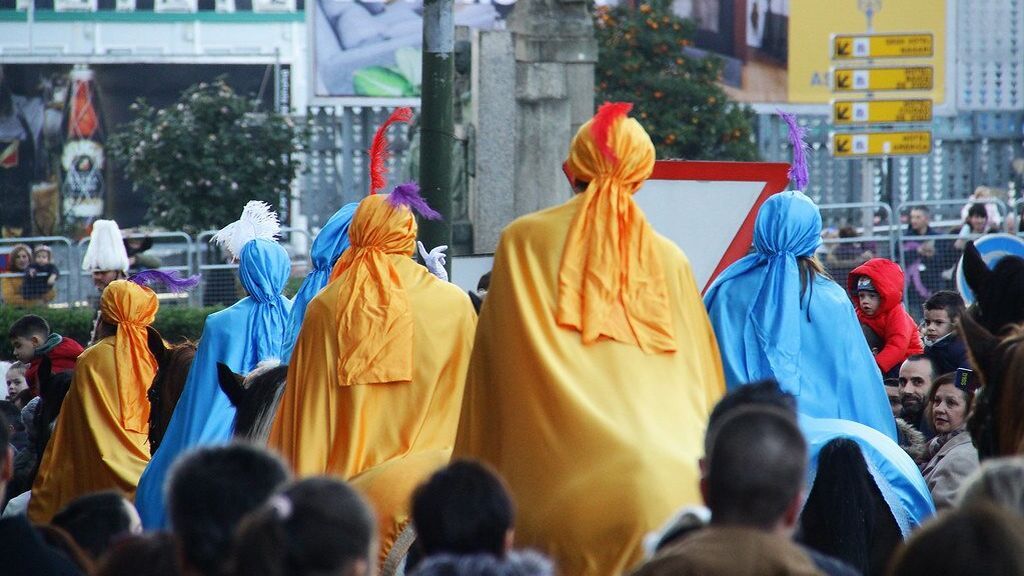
point(63, 257)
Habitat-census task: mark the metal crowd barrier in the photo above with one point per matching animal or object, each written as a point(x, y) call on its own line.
point(220, 284)
point(171, 251)
point(63, 257)
point(853, 233)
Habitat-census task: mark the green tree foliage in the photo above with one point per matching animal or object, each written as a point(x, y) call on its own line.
point(205, 156)
point(675, 96)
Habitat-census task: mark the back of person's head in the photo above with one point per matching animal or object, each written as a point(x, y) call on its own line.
point(946, 300)
point(999, 481)
point(315, 526)
point(463, 508)
point(62, 542)
point(96, 520)
point(977, 209)
point(847, 232)
point(755, 461)
point(151, 554)
point(761, 393)
point(845, 512)
point(28, 326)
point(525, 563)
point(210, 490)
point(980, 539)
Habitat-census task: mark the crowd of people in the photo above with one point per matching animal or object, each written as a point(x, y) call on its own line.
point(595, 416)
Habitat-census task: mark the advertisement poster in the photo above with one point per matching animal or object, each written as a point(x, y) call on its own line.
point(372, 48)
point(55, 119)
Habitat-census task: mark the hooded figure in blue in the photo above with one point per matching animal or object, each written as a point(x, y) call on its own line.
point(328, 246)
point(777, 315)
point(894, 471)
point(241, 336)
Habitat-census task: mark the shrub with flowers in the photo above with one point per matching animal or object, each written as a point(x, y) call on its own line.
point(202, 158)
point(675, 95)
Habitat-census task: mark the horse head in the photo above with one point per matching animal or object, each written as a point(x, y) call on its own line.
point(173, 365)
point(255, 397)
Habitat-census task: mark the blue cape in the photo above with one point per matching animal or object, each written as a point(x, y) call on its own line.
point(328, 246)
point(240, 336)
point(814, 346)
point(895, 474)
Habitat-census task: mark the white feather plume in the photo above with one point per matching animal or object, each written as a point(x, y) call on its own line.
point(257, 221)
point(106, 248)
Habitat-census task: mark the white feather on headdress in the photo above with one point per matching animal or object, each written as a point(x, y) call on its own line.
point(257, 221)
point(106, 248)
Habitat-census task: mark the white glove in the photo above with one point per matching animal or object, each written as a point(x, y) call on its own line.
point(434, 260)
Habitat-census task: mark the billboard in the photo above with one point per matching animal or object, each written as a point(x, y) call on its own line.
point(372, 48)
point(55, 119)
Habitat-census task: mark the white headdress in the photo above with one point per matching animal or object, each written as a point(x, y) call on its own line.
point(257, 221)
point(106, 248)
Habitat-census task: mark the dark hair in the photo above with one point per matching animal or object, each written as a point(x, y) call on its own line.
point(485, 282)
point(317, 525)
point(21, 399)
point(924, 358)
point(28, 326)
point(946, 300)
point(755, 461)
point(809, 267)
point(950, 378)
point(59, 540)
point(95, 520)
point(845, 515)
point(977, 209)
point(848, 232)
point(12, 416)
point(152, 554)
point(464, 508)
point(761, 393)
point(210, 490)
point(921, 208)
point(978, 539)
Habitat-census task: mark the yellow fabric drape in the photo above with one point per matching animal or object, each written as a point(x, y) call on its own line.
point(384, 438)
point(599, 442)
point(90, 450)
point(132, 308)
point(611, 283)
point(374, 320)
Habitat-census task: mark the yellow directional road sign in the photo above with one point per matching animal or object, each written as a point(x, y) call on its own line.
point(882, 79)
point(857, 46)
point(854, 145)
point(845, 112)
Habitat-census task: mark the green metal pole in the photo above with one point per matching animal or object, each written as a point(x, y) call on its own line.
point(437, 138)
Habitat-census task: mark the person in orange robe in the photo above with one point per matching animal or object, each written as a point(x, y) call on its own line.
point(594, 367)
point(101, 438)
point(376, 378)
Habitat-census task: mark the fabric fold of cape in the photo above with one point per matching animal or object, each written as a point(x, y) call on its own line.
point(812, 345)
point(598, 438)
point(101, 438)
point(330, 243)
point(249, 331)
point(376, 379)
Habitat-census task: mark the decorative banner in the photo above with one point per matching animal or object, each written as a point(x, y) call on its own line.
point(850, 112)
point(863, 145)
point(850, 47)
point(882, 79)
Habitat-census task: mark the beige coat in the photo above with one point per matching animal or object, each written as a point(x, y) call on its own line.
point(948, 469)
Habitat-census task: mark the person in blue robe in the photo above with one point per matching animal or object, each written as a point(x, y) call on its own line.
point(241, 336)
point(328, 246)
point(776, 314)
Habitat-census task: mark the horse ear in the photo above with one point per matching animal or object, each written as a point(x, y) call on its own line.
point(231, 384)
point(156, 346)
point(981, 346)
point(976, 272)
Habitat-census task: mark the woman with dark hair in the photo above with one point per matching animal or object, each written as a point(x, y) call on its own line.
point(952, 455)
point(845, 515)
point(314, 527)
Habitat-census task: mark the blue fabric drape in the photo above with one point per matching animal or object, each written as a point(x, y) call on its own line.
point(897, 477)
point(812, 346)
point(241, 336)
point(328, 246)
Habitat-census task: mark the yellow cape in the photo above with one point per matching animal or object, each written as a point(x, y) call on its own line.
point(599, 443)
point(90, 449)
point(383, 438)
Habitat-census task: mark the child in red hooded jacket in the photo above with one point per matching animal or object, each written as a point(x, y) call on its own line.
point(876, 288)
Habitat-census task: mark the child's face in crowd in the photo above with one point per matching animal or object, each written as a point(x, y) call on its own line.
point(42, 258)
point(24, 348)
point(16, 382)
point(869, 302)
point(937, 324)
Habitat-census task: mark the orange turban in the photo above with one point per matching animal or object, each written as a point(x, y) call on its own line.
point(132, 308)
point(611, 283)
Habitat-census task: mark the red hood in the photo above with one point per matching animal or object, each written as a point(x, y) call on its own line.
point(886, 275)
point(62, 358)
